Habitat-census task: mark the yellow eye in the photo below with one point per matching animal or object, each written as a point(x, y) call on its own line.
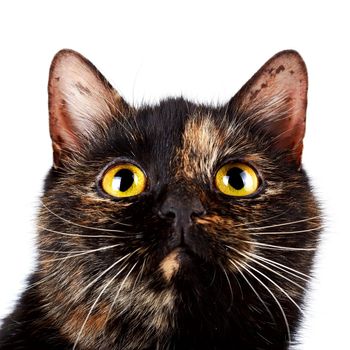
point(124, 180)
point(237, 179)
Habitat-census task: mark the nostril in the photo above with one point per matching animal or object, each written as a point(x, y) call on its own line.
point(181, 209)
point(198, 213)
point(198, 209)
point(168, 214)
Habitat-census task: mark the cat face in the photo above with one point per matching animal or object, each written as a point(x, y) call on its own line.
point(158, 221)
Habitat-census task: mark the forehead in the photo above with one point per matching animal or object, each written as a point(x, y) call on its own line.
point(205, 141)
point(186, 140)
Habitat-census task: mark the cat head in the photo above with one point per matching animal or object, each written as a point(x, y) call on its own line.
point(156, 215)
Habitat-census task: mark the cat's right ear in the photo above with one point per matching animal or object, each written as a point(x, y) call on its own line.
point(81, 103)
point(274, 101)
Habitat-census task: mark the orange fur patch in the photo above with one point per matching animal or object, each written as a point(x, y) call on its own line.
point(94, 326)
point(170, 265)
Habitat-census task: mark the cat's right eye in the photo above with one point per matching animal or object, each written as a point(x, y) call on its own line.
point(124, 180)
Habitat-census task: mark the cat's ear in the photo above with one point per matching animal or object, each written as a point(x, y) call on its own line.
point(275, 99)
point(81, 102)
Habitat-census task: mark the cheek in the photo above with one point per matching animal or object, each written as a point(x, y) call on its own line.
point(227, 238)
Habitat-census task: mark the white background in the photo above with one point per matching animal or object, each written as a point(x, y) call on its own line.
point(204, 51)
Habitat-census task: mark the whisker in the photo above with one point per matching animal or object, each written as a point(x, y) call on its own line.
point(80, 254)
point(74, 234)
point(47, 277)
point(283, 223)
point(118, 292)
point(42, 280)
point(273, 296)
point(139, 275)
point(282, 267)
point(273, 271)
point(63, 252)
point(253, 289)
point(287, 232)
point(265, 219)
point(251, 257)
point(257, 221)
point(79, 225)
point(95, 303)
point(277, 247)
point(278, 286)
point(121, 223)
point(82, 291)
point(229, 284)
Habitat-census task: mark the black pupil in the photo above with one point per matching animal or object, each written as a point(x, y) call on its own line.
point(124, 178)
point(236, 178)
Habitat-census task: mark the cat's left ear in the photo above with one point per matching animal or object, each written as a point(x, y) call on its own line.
point(275, 101)
point(81, 104)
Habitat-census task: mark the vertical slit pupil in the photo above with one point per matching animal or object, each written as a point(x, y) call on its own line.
point(124, 178)
point(236, 178)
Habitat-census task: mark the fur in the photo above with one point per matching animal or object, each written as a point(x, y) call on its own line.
point(239, 283)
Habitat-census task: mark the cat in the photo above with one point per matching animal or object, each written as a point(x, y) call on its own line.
point(172, 226)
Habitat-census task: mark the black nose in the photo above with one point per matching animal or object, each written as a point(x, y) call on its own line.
point(182, 209)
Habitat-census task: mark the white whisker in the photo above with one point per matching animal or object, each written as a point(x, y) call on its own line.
point(80, 254)
point(82, 291)
point(273, 271)
point(277, 247)
point(229, 284)
point(287, 232)
point(251, 256)
point(273, 296)
point(262, 220)
point(63, 252)
point(282, 267)
point(139, 275)
point(47, 277)
point(74, 234)
point(276, 285)
point(118, 292)
point(79, 225)
point(94, 304)
point(283, 223)
point(42, 280)
point(253, 289)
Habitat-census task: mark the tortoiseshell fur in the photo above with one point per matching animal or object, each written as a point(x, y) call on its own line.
point(209, 300)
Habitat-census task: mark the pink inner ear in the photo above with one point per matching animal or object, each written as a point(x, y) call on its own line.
point(80, 101)
point(278, 91)
point(61, 126)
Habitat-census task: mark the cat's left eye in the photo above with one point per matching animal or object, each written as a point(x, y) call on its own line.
point(237, 179)
point(124, 180)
